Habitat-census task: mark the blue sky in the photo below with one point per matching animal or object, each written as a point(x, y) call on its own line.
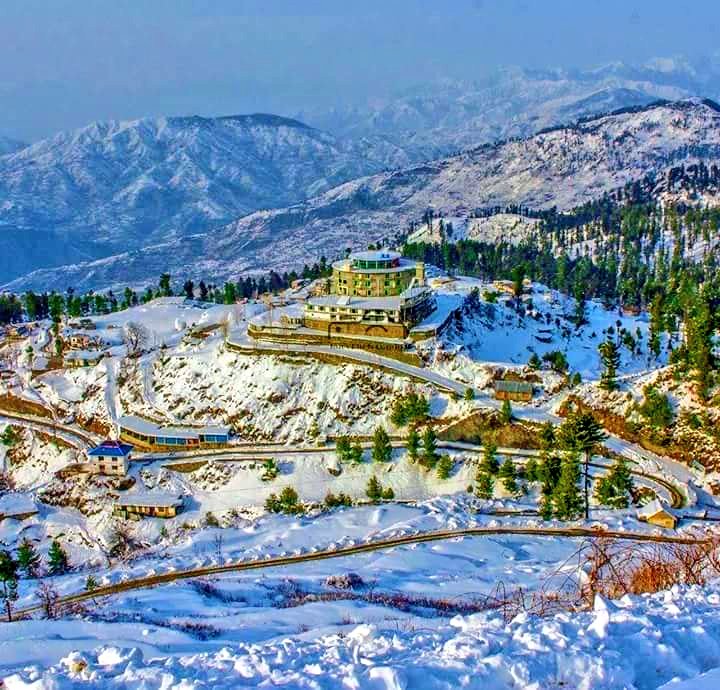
point(64, 63)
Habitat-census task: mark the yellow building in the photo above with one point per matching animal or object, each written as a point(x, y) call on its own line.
point(376, 274)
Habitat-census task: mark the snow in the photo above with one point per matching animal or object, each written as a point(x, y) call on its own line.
point(668, 640)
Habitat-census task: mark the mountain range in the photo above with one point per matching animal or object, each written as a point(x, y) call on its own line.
point(122, 201)
point(561, 167)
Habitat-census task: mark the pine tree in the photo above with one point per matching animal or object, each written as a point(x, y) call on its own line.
point(567, 498)
point(413, 444)
point(546, 506)
point(374, 489)
point(57, 559)
point(388, 494)
point(444, 466)
point(429, 448)
point(28, 559)
point(581, 433)
point(531, 470)
point(506, 413)
point(610, 357)
point(490, 464)
point(356, 453)
point(343, 448)
point(485, 485)
point(8, 581)
point(508, 475)
point(382, 448)
point(615, 488)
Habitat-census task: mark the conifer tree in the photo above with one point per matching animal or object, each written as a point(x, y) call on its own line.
point(581, 433)
point(28, 558)
point(610, 358)
point(508, 475)
point(382, 448)
point(429, 449)
point(615, 488)
point(531, 470)
point(58, 562)
point(413, 444)
point(444, 466)
point(506, 413)
point(374, 489)
point(8, 582)
point(490, 464)
point(484, 486)
point(567, 498)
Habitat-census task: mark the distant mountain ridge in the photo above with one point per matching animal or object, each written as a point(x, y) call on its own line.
point(118, 185)
point(437, 119)
point(559, 167)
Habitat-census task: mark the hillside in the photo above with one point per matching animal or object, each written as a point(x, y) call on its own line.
point(563, 167)
point(115, 186)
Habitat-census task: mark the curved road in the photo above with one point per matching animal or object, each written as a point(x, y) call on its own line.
point(77, 437)
point(439, 535)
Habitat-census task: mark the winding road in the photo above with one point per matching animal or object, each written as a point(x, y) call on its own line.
point(356, 549)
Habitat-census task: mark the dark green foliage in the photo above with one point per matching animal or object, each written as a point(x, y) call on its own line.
point(615, 488)
point(656, 408)
point(557, 361)
point(429, 449)
point(28, 559)
point(610, 358)
point(444, 466)
point(469, 394)
point(336, 500)
point(388, 494)
point(506, 413)
point(567, 497)
point(411, 408)
point(58, 562)
point(413, 444)
point(534, 361)
point(581, 433)
point(9, 437)
point(270, 470)
point(286, 502)
point(508, 475)
point(532, 470)
point(8, 581)
point(374, 489)
point(490, 464)
point(484, 486)
point(382, 449)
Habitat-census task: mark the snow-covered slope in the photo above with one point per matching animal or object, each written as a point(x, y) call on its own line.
point(438, 118)
point(114, 186)
point(563, 167)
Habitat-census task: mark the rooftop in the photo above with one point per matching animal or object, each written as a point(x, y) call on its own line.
point(112, 449)
point(150, 499)
point(375, 255)
point(369, 303)
point(514, 386)
point(147, 428)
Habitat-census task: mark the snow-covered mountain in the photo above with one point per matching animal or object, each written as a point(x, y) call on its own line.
point(563, 167)
point(122, 185)
point(436, 119)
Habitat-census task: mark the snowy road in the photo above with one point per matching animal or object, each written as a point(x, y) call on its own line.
point(356, 549)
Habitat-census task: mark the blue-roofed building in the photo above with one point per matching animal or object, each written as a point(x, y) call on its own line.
point(110, 457)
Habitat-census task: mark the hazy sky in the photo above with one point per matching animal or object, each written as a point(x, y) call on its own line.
point(64, 63)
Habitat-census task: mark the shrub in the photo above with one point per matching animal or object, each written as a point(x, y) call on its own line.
point(286, 502)
point(334, 501)
point(411, 408)
point(270, 470)
point(444, 466)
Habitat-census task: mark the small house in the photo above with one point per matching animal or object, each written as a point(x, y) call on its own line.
point(151, 504)
point(513, 390)
point(110, 457)
point(654, 513)
point(83, 358)
point(80, 341)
